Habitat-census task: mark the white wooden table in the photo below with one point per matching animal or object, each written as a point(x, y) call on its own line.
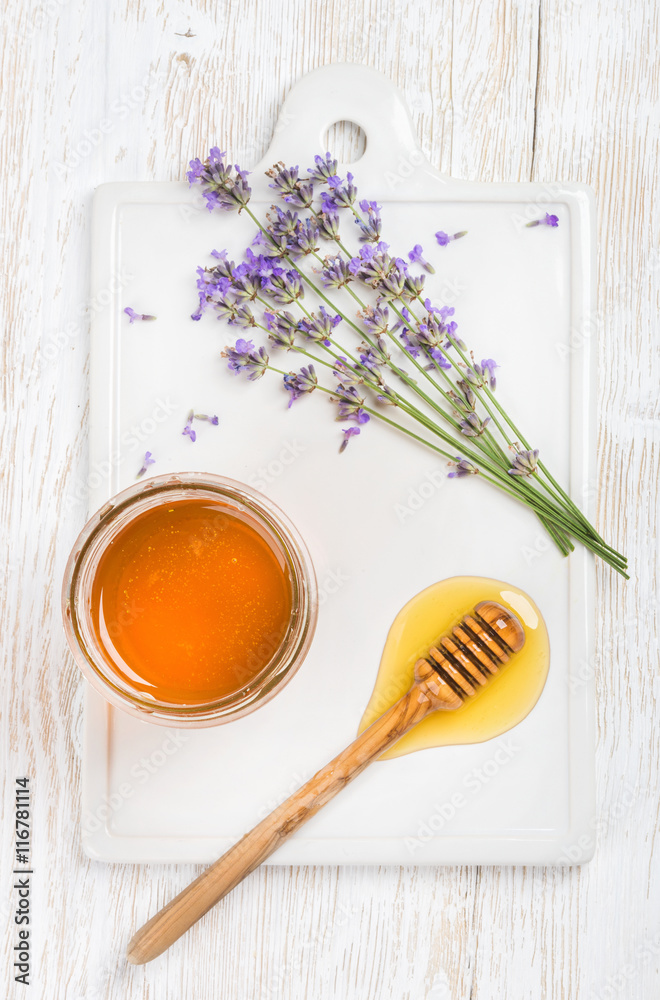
point(512, 91)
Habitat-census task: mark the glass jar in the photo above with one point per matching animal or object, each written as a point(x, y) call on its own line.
point(100, 532)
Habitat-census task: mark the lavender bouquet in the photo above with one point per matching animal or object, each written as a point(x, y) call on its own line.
point(364, 322)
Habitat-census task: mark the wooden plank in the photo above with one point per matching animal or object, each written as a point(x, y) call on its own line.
point(487, 107)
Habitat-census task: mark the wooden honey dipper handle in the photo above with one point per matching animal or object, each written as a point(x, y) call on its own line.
point(443, 681)
point(428, 694)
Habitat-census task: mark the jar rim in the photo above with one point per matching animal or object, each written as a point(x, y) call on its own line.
point(98, 534)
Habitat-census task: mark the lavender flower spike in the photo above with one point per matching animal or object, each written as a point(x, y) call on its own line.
point(285, 179)
point(336, 272)
point(343, 194)
point(443, 238)
point(224, 186)
point(245, 357)
point(489, 366)
point(133, 315)
point(323, 169)
point(370, 226)
point(350, 404)
point(416, 256)
point(298, 383)
point(148, 460)
point(472, 425)
point(549, 220)
point(463, 468)
point(318, 328)
point(524, 463)
point(282, 328)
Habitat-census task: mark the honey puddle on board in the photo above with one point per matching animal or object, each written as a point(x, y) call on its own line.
point(502, 704)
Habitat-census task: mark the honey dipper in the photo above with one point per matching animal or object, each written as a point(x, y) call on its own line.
point(461, 662)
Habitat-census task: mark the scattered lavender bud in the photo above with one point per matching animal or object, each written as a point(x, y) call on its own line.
point(548, 220)
point(148, 460)
point(188, 429)
point(444, 238)
point(416, 256)
point(348, 434)
point(133, 315)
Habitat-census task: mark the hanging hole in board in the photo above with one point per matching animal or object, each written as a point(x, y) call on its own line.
point(346, 141)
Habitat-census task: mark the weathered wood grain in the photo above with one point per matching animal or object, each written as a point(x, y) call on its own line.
point(507, 90)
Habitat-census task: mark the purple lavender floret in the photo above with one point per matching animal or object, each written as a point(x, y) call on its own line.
point(246, 358)
point(302, 196)
point(133, 315)
point(328, 220)
point(524, 463)
point(299, 383)
point(319, 327)
point(323, 169)
point(348, 434)
point(373, 264)
point(374, 356)
point(466, 401)
point(284, 288)
point(242, 316)
point(416, 256)
point(376, 319)
point(282, 223)
point(463, 468)
point(392, 285)
point(482, 375)
point(282, 329)
point(472, 425)
point(336, 272)
point(204, 416)
point(413, 286)
point(347, 375)
point(305, 238)
point(148, 460)
point(224, 186)
point(246, 284)
point(443, 239)
point(488, 366)
point(343, 194)
point(429, 336)
point(188, 429)
point(370, 226)
point(285, 179)
point(547, 220)
point(409, 342)
point(350, 404)
point(213, 283)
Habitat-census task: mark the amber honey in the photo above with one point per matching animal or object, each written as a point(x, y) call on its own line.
point(501, 705)
point(190, 602)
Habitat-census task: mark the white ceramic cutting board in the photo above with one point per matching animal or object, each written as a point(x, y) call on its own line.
point(382, 520)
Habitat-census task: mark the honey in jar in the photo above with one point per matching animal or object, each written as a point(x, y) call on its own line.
point(190, 602)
